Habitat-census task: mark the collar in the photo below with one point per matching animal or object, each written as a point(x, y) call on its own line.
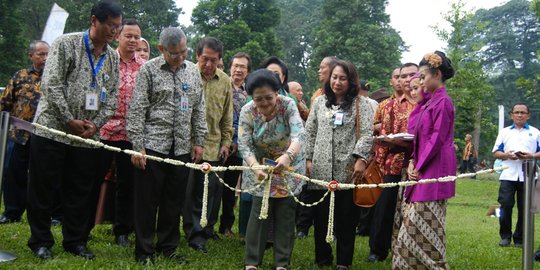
point(526, 126)
point(216, 76)
point(31, 69)
point(136, 58)
point(91, 44)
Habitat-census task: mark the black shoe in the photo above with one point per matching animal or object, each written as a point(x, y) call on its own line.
point(341, 267)
point(537, 255)
point(6, 220)
point(374, 258)
point(301, 235)
point(504, 242)
point(214, 237)
point(82, 251)
point(178, 259)
point(198, 247)
point(145, 259)
point(518, 244)
point(43, 253)
point(122, 240)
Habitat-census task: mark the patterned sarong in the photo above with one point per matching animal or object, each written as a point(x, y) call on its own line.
point(421, 240)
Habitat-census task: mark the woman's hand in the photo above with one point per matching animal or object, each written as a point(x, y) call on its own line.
point(139, 161)
point(283, 163)
point(412, 172)
point(359, 168)
point(260, 175)
point(308, 167)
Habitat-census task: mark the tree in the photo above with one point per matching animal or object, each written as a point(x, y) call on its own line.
point(12, 44)
point(470, 89)
point(247, 26)
point(359, 31)
point(299, 19)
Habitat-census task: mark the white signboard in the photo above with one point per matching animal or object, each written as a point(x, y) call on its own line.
point(55, 24)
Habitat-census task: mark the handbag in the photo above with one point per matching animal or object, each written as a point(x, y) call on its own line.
point(367, 197)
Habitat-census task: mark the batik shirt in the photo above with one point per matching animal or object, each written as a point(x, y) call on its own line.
point(115, 128)
point(20, 99)
point(239, 97)
point(271, 139)
point(156, 116)
point(219, 114)
point(67, 81)
point(395, 118)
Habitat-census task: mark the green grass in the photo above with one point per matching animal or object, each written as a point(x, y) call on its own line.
point(471, 235)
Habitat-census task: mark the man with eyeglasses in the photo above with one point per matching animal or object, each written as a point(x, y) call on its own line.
point(515, 143)
point(166, 118)
point(219, 118)
point(79, 88)
point(20, 99)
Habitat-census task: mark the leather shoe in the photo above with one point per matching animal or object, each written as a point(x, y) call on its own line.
point(518, 244)
point(145, 259)
point(6, 220)
point(301, 235)
point(504, 242)
point(178, 259)
point(214, 237)
point(198, 247)
point(537, 255)
point(82, 251)
point(374, 258)
point(122, 240)
point(43, 253)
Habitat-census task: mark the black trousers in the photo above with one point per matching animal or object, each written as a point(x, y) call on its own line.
point(192, 217)
point(73, 169)
point(304, 215)
point(159, 196)
point(508, 191)
point(228, 197)
point(123, 201)
point(380, 236)
point(16, 181)
point(345, 219)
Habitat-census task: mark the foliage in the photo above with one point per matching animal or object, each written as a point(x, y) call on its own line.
point(12, 46)
point(299, 19)
point(242, 26)
point(358, 31)
point(466, 216)
point(535, 7)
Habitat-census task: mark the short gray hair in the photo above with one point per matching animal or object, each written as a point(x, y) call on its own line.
point(33, 45)
point(171, 36)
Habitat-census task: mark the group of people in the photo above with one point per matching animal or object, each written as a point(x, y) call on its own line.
point(171, 108)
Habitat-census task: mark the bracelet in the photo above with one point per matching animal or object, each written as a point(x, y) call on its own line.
point(291, 155)
point(363, 159)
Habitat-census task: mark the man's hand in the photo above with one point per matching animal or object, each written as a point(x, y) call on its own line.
point(412, 172)
point(139, 161)
point(90, 129)
point(196, 153)
point(76, 127)
point(359, 168)
point(308, 167)
point(224, 153)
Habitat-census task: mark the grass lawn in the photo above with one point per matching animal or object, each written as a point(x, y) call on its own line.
point(472, 243)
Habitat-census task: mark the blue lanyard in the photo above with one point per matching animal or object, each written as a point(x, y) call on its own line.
point(95, 70)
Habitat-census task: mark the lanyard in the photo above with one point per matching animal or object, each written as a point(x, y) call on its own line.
point(95, 70)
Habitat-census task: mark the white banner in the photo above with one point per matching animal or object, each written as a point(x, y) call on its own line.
point(55, 24)
point(501, 117)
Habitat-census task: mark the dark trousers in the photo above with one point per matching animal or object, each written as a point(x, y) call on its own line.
point(246, 201)
point(228, 198)
point(123, 201)
point(345, 218)
point(159, 196)
point(192, 218)
point(365, 218)
point(304, 215)
point(508, 190)
point(16, 180)
point(380, 236)
point(73, 169)
point(281, 213)
point(467, 166)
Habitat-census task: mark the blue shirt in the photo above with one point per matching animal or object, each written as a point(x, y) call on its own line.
point(526, 139)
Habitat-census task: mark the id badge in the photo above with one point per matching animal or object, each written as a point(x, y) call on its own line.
point(338, 121)
point(103, 95)
point(91, 102)
point(184, 104)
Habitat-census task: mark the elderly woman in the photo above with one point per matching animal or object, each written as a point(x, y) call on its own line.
point(332, 154)
point(270, 127)
point(421, 241)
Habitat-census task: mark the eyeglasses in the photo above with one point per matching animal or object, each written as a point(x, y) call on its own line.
point(237, 66)
point(213, 61)
point(267, 98)
point(174, 55)
point(520, 113)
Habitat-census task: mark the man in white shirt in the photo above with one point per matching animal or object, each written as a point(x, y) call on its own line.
point(515, 143)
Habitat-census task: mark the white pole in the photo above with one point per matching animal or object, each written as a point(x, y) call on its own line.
point(501, 117)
